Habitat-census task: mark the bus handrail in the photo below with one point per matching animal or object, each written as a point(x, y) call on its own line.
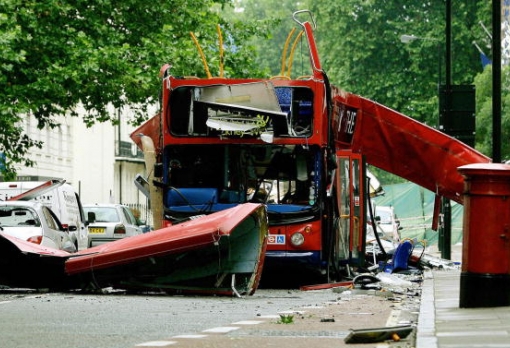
point(295, 14)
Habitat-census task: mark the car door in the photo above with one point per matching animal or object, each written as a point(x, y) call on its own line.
point(132, 229)
point(53, 229)
point(65, 238)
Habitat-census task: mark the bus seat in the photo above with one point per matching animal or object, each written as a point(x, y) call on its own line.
point(192, 196)
point(286, 208)
point(284, 95)
point(400, 259)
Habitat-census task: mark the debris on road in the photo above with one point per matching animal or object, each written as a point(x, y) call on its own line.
point(378, 334)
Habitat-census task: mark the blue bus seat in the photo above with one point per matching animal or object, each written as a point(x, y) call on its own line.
point(192, 196)
point(400, 259)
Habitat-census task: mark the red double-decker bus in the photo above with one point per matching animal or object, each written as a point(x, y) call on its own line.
point(220, 142)
point(297, 145)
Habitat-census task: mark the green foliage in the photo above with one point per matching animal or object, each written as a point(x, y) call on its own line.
point(57, 54)
point(484, 121)
point(286, 319)
point(275, 23)
point(362, 52)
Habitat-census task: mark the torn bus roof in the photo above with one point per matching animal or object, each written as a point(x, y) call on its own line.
point(219, 254)
point(403, 146)
point(28, 265)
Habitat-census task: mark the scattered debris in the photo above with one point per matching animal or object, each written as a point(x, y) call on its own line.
point(364, 279)
point(327, 320)
point(394, 333)
point(430, 261)
point(348, 284)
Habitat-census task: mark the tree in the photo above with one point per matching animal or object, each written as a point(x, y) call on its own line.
point(278, 20)
point(55, 55)
point(484, 139)
point(362, 51)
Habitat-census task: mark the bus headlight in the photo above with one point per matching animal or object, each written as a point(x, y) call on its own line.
point(297, 239)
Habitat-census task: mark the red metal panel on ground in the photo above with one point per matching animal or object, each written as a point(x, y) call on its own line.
point(405, 147)
point(221, 253)
point(178, 238)
point(28, 265)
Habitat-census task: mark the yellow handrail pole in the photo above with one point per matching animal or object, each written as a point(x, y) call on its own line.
point(201, 55)
point(220, 38)
point(284, 53)
point(291, 56)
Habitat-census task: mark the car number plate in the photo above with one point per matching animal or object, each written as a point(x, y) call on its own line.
point(96, 229)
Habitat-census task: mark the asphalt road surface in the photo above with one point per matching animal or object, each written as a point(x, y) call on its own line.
point(117, 320)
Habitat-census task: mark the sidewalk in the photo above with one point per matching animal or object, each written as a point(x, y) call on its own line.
point(442, 323)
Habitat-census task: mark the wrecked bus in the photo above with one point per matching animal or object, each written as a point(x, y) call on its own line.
point(299, 145)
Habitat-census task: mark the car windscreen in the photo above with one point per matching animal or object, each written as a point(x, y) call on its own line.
point(385, 216)
point(103, 214)
point(14, 216)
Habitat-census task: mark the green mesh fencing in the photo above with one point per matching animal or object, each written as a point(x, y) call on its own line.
point(414, 207)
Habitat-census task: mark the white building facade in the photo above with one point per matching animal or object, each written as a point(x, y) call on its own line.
point(100, 162)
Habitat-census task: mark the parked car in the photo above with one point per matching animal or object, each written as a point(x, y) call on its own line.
point(387, 223)
point(34, 222)
point(57, 195)
point(110, 222)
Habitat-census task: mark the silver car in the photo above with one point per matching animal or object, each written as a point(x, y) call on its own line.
point(34, 222)
point(110, 222)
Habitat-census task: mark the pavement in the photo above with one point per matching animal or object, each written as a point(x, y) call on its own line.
point(443, 324)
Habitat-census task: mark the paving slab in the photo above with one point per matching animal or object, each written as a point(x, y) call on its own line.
point(443, 324)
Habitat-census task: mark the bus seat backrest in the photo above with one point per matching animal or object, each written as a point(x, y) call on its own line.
point(192, 196)
point(401, 256)
point(284, 95)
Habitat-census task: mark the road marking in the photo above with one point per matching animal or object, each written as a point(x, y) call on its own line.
point(190, 336)
point(223, 329)
point(156, 344)
point(248, 322)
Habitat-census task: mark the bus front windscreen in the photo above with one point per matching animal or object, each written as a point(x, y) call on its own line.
point(214, 176)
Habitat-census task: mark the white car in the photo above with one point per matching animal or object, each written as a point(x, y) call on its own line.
point(110, 222)
point(57, 195)
point(35, 223)
point(387, 223)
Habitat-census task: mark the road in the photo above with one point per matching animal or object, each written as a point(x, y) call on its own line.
point(117, 320)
